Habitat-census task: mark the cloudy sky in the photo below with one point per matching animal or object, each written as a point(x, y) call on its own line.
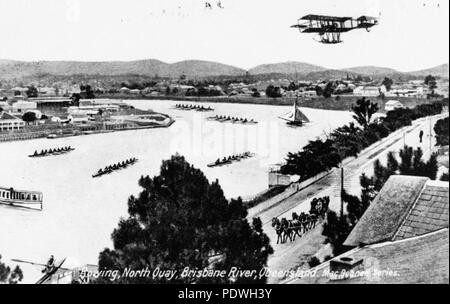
point(412, 34)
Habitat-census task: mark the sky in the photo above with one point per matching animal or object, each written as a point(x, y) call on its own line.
point(411, 35)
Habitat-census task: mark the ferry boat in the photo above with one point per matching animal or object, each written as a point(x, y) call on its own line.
point(295, 117)
point(21, 198)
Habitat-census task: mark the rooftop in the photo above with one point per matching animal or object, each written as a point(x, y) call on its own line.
point(404, 233)
point(7, 116)
point(386, 213)
point(423, 259)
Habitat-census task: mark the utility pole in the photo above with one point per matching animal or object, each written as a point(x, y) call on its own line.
point(430, 136)
point(342, 192)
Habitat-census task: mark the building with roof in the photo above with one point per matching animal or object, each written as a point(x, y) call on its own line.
point(51, 104)
point(5, 106)
point(23, 106)
point(392, 105)
point(9, 122)
point(402, 237)
point(369, 91)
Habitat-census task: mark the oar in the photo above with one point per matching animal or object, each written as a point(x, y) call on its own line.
point(36, 264)
point(27, 262)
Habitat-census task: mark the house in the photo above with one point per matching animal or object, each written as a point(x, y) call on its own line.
point(308, 94)
point(124, 90)
point(78, 118)
point(135, 92)
point(19, 91)
point(23, 106)
point(419, 92)
point(402, 237)
point(50, 104)
point(369, 91)
point(5, 106)
point(392, 105)
point(9, 122)
point(47, 91)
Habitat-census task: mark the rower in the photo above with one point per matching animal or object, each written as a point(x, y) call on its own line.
point(50, 265)
point(35, 153)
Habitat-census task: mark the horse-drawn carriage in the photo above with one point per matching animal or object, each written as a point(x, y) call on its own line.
point(301, 223)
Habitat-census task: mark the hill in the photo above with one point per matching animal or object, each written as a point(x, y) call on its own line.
point(192, 68)
point(371, 70)
point(440, 70)
point(10, 69)
point(289, 67)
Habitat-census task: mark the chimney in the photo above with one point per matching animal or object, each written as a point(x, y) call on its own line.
point(341, 267)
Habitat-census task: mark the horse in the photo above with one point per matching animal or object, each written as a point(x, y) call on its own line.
point(278, 229)
point(287, 229)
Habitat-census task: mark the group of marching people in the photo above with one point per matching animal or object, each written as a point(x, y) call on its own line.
point(301, 224)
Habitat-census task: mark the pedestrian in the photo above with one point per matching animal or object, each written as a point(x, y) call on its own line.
point(421, 135)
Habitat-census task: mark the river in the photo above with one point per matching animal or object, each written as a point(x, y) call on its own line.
point(81, 212)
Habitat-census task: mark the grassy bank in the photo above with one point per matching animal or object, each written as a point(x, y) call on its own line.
point(342, 103)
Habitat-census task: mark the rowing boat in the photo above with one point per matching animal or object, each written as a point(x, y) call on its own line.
point(52, 153)
point(230, 160)
point(120, 167)
point(47, 276)
point(222, 163)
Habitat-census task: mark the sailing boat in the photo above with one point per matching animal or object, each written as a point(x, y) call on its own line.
point(295, 117)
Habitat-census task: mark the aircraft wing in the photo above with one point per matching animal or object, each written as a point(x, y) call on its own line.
point(325, 18)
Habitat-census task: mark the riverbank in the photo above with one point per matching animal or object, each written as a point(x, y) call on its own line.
point(76, 130)
point(338, 102)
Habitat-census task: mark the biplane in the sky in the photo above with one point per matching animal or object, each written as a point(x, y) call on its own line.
point(329, 28)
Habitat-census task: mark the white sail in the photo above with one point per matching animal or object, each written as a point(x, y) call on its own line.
point(295, 115)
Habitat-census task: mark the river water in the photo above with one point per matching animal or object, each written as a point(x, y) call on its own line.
point(81, 212)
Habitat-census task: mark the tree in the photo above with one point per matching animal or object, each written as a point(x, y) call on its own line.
point(181, 220)
point(363, 111)
point(256, 93)
point(387, 82)
point(328, 90)
point(430, 81)
point(442, 132)
point(273, 92)
point(336, 229)
point(412, 163)
point(10, 276)
point(75, 99)
point(86, 92)
point(32, 92)
point(29, 117)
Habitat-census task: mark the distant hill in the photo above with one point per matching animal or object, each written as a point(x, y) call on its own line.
point(290, 67)
point(151, 67)
point(371, 70)
point(440, 70)
point(329, 74)
point(198, 69)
